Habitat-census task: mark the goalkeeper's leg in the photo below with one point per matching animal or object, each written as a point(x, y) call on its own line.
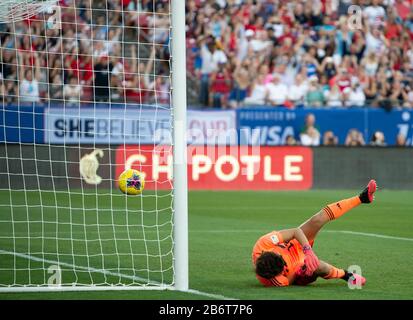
point(328, 271)
point(335, 210)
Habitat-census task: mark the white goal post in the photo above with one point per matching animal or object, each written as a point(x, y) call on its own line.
point(64, 225)
point(180, 154)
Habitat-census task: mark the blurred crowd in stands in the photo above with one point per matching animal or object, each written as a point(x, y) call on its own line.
point(312, 53)
point(303, 53)
point(103, 51)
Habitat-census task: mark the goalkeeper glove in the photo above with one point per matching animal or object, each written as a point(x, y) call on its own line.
point(301, 271)
point(310, 260)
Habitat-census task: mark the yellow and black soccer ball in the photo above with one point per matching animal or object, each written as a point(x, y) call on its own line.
point(131, 182)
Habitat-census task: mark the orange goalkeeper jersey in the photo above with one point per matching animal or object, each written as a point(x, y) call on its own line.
point(291, 252)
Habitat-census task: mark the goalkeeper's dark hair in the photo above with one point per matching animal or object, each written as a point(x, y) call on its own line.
point(269, 264)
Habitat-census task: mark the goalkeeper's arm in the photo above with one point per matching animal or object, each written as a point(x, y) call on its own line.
point(311, 260)
point(294, 233)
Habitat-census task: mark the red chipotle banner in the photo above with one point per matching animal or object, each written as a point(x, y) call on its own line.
point(223, 167)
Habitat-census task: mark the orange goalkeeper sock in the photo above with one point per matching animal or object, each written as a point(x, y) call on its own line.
point(335, 273)
point(337, 209)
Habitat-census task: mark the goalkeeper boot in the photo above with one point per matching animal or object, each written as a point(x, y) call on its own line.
point(367, 195)
point(357, 279)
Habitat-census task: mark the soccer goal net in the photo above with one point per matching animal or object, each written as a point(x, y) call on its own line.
point(87, 92)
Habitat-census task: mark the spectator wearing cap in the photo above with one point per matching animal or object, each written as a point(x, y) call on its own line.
point(277, 92)
point(247, 36)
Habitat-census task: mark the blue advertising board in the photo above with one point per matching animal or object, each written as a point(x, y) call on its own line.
point(129, 125)
point(253, 126)
point(264, 126)
point(21, 124)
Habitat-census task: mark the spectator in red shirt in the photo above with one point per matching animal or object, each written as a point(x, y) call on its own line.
point(220, 87)
point(392, 29)
point(342, 80)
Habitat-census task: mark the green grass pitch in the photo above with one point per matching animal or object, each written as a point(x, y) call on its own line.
point(223, 227)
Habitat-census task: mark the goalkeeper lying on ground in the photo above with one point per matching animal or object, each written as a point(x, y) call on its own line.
point(286, 257)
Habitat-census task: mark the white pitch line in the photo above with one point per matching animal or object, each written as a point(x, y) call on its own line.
point(210, 295)
point(365, 234)
point(42, 234)
point(107, 272)
point(60, 263)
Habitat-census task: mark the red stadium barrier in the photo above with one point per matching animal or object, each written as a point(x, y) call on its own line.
point(223, 167)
